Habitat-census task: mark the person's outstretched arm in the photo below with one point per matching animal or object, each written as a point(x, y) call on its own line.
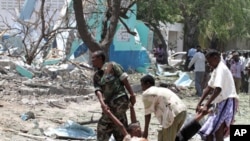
point(205, 93)
point(130, 91)
point(132, 114)
point(146, 126)
point(117, 122)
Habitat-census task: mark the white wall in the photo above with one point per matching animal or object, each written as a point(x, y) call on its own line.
point(173, 34)
point(15, 6)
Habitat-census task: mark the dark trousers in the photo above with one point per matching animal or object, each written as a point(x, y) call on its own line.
point(244, 85)
point(188, 131)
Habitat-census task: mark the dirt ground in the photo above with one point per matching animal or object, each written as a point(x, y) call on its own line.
point(51, 111)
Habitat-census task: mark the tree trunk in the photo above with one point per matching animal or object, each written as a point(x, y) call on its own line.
point(163, 42)
point(83, 28)
point(29, 59)
point(108, 34)
point(191, 33)
point(214, 42)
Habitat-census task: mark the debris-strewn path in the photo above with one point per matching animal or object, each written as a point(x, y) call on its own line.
point(53, 110)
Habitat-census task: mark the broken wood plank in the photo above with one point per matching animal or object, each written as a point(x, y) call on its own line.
point(52, 104)
point(88, 122)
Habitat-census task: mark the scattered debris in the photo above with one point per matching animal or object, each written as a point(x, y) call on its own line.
point(27, 116)
point(56, 104)
point(42, 138)
point(71, 130)
point(183, 80)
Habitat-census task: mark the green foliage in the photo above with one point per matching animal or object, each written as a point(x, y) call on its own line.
point(221, 19)
point(227, 19)
point(153, 11)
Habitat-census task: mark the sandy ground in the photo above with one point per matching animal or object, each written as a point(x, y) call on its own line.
point(47, 115)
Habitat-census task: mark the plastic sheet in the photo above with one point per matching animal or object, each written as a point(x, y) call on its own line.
point(72, 130)
point(183, 80)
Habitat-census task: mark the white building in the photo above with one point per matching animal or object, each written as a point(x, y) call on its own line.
point(173, 34)
point(11, 8)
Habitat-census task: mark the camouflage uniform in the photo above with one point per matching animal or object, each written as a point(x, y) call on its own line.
point(108, 81)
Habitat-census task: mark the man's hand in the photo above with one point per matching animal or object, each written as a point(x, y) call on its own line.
point(198, 108)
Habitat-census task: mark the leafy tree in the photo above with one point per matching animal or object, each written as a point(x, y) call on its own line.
point(227, 20)
point(212, 23)
point(152, 12)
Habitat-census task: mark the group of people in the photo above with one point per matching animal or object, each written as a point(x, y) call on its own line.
point(239, 65)
point(160, 54)
point(116, 96)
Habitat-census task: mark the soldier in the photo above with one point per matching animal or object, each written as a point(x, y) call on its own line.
point(110, 82)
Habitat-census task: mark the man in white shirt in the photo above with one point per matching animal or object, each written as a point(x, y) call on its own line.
point(222, 93)
point(199, 68)
point(168, 108)
point(247, 69)
point(245, 74)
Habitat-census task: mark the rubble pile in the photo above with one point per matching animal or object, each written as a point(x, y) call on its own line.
point(62, 79)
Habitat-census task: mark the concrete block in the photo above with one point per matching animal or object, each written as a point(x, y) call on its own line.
point(24, 72)
point(51, 61)
point(6, 63)
point(31, 91)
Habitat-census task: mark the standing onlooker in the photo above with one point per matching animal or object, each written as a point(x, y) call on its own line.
point(160, 54)
point(236, 68)
point(199, 68)
point(168, 108)
point(110, 82)
point(247, 68)
point(245, 74)
point(190, 54)
point(221, 93)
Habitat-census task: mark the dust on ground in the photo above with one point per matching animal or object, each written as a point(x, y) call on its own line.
point(87, 112)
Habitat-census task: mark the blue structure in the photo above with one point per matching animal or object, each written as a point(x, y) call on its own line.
point(128, 50)
point(27, 10)
point(145, 34)
point(77, 48)
point(137, 60)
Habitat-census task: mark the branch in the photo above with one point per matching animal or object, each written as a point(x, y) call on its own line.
point(115, 12)
point(42, 17)
point(128, 30)
point(105, 24)
point(82, 26)
point(124, 11)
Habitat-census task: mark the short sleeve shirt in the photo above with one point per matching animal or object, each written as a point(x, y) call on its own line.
point(109, 80)
point(164, 103)
point(222, 77)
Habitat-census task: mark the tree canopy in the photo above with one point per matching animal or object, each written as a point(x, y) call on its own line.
point(213, 22)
